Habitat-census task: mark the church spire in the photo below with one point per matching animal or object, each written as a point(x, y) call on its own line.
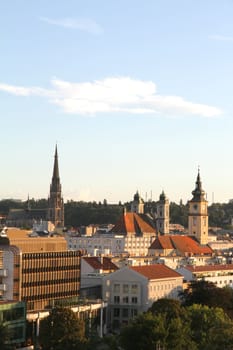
point(55, 167)
point(55, 201)
point(198, 193)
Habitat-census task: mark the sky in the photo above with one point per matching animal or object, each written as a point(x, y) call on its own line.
point(136, 94)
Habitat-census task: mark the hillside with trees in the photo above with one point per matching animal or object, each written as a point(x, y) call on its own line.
point(78, 213)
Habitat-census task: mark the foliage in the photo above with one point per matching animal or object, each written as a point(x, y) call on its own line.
point(168, 325)
point(4, 337)
point(171, 307)
point(211, 327)
point(207, 293)
point(143, 333)
point(149, 331)
point(86, 213)
point(62, 330)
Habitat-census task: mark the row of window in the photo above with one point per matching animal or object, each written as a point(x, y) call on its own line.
point(125, 288)
point(50, 255)
point(51, 295)
point(124, 313)
point(50, 282)
point(125, 300)
point(50, 268)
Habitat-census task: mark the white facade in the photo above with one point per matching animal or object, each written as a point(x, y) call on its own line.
point(129, 293)
point(221, 275)
point(105, 244)
point(112, 245)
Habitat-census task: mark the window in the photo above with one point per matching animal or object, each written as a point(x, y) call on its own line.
point(116, 299)
point(134, 300)
point(116, 312)
point(125, 300)
point(125, 313)
point(116, 288)
point(134, 312)
point(125, 288)
point(134, 288)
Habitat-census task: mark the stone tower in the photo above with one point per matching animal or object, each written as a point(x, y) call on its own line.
point(137, 205)
point(162, 214)
point(55, 212)
point(198, 213)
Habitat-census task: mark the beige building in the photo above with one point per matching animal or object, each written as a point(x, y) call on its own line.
point(37, 270)
point(132, 290)
point(198, 213)
point(137, 231)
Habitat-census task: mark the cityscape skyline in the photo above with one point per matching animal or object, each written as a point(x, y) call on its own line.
point(135, 96)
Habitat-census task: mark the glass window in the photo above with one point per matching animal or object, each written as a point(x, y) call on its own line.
point(134, 300)
point(125, 300)
point(134, 288)
point(116, 312)
point(125, 313)
point(116, 288)
point(125, 288)
point(116, 299)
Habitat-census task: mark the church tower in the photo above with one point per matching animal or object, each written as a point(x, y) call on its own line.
point(162, 214)
point(198, 213)
point(137, 205)
point(55, 212)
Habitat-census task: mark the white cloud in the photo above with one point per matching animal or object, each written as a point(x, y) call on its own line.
point(221, 37)
point(113, 95)
point(84, 24)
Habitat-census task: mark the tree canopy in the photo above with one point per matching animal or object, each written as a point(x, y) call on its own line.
point(62, 329)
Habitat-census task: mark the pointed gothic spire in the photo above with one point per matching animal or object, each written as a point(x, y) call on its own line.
point(55, 167)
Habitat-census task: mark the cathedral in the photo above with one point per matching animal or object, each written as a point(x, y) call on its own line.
point(53, 214)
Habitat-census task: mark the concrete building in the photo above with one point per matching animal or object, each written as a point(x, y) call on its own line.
point(132, 290)
point(37, 270)
point(13, 316)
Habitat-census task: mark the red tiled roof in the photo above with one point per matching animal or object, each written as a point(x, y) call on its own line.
point(156, 271)
point(184, 244)
point(208, 268)
point(96, 263)
point(132, 223)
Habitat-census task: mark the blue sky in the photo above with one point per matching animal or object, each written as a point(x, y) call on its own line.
point(137, 95)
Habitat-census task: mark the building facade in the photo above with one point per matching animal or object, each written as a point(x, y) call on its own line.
point(130, 291)
point(38, 270)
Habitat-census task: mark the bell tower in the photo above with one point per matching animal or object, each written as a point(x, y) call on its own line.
point(162, 214)
point(198, 213)
point(137, 205)
point(55, 212)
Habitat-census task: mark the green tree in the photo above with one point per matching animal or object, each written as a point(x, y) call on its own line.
point(149, 332)
point(62, 330)
point(4, 337)
point(207, 293)
point(171, 307)
point(211, 328)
